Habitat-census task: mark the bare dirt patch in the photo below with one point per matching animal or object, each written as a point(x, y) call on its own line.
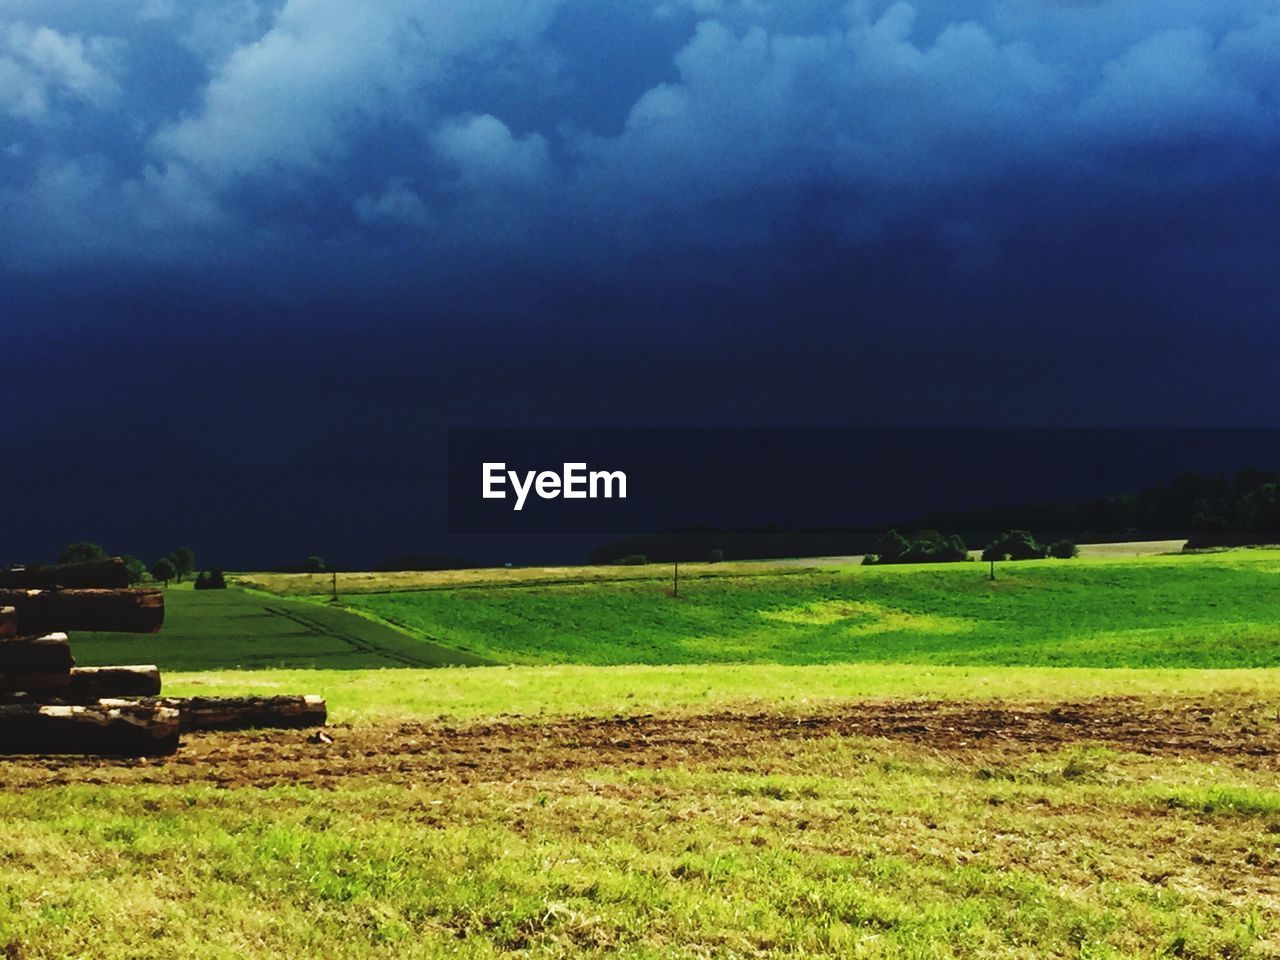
point(1226, 729)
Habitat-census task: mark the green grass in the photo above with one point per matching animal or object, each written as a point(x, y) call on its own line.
point(233, 629)
point(1204, 611)
point(840, 847)
point(363, 695)
point(829, 848)
point(321, 584)
point(1207, 611)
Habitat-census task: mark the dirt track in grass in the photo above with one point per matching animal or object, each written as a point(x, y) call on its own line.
point(1232, 730)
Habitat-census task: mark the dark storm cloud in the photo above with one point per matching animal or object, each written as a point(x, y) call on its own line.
point(419, 135)
point(298, 238)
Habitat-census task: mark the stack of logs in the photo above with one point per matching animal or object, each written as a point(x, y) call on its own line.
point(49, 705)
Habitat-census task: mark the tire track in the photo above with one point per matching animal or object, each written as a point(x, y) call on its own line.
point(358, 644)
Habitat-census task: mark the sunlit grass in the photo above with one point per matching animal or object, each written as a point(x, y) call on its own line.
point(359, 695)
point(1214, 610)
point(836, 848)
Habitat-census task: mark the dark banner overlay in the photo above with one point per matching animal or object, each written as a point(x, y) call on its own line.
point(812, 478)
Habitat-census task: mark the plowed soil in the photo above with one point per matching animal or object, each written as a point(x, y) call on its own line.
point(1229, 730)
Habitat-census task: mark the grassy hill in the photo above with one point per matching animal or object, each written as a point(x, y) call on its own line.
point(234, 629)
point(1215, 610)
point(1219, 610)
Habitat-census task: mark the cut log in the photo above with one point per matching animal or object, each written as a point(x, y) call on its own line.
point(8, 622)
point(242, 713)
point(123, 611)
point(50, 653)
point(34, 687)
point(119, 728)
point(91, 684)
point(109, 573)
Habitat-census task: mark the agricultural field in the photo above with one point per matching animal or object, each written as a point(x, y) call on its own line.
point(1215, 610)
point(1081, 759)
point(321, 584)
point(239, 630)
point(1113, 827)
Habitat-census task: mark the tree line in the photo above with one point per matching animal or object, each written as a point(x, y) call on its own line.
point(930, 546)
point(1210, 509)
point(176, 565)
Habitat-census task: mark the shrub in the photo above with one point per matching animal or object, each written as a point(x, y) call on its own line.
point(211, 580)
point(632, 560)
point(1063, 549)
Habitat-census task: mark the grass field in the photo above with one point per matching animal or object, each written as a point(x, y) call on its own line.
point(1080, 760)
point(708, 836)
point(233, 629)
point(1200, 611)
point(321, 584)
point(1216, 610)
point(357, 696)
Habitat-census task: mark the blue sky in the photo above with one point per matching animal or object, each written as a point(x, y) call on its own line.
point(717, 211)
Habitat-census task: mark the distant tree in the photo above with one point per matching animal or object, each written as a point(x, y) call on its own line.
point(632, 560)
point(134, 569)
point(314, 564)
point(1209, 521)
point(1063, 549)
point(715, 555)
point(1250, 479)
point(211, 580)
point(184, 561)
point(923, 546)
point(82, 551)
point(892, 547)
point(1260, 512)
point(163, 569)
point(1015, 545)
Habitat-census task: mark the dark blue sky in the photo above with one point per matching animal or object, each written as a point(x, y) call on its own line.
point(258, 255)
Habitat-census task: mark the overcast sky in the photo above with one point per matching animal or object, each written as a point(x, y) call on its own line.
point(237, 231)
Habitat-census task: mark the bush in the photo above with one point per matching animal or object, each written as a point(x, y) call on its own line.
point(715, 555)
point(632, 560)
point(211, 580)
point(1063, 549)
